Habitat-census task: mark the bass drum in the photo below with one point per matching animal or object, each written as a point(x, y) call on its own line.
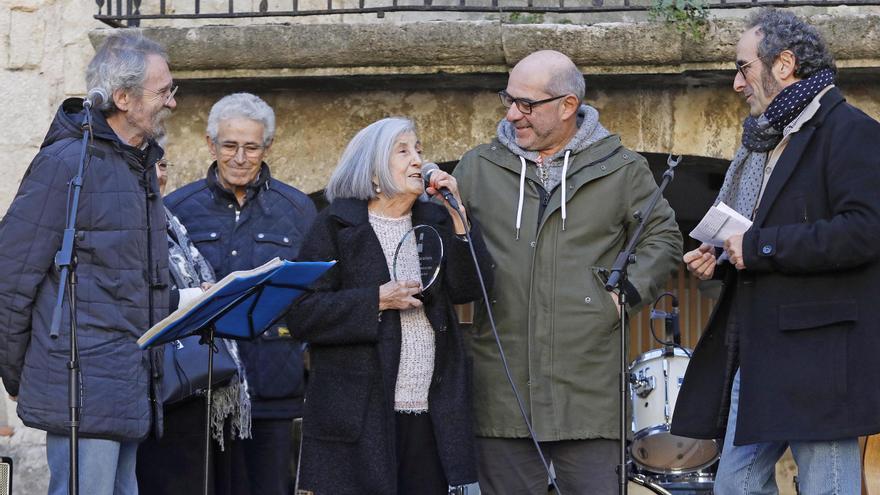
point(640, 485)
point(656, 377)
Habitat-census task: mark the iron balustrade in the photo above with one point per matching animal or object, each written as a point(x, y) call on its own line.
point(122, 13)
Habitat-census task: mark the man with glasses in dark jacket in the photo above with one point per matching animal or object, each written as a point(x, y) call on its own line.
point(239, 217)
point(121, 263)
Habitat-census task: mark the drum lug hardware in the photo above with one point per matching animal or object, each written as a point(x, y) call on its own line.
point(643, 384)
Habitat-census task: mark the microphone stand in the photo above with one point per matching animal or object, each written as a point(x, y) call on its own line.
point(617, 281)
point(65, 262)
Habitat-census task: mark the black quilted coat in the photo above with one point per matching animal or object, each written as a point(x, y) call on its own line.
point(122, 287)
point(272, 222)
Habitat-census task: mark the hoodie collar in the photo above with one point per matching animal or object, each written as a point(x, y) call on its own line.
point(589, 131)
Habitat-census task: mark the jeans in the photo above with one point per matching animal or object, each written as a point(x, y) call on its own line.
point(831, 467)
point(106, 467)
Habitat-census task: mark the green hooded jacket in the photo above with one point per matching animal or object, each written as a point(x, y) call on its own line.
point(558, 325)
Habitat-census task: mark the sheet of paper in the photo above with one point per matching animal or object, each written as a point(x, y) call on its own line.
point(719, 223)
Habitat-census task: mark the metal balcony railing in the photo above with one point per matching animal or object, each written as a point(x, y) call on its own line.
point(121, 13)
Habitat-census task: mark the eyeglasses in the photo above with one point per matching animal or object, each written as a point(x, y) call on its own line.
point(524, 104)
point(228, 149)
point(167, 93)
point(741, 67)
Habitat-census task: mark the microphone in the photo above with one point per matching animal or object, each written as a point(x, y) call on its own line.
point(673, 322)
point(428, 169)
point(95, 98)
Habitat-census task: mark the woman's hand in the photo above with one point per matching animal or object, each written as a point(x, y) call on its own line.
point(399, 295)
point(441, 179)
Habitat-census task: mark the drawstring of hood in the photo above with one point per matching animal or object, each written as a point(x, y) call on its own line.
point(589, 131)
point(522, 190)
point(564, 173)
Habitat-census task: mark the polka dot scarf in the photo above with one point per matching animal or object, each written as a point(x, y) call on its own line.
point(792, 100)
point(742, 183)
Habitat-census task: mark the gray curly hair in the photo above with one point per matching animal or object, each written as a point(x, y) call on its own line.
point(121, 63)
point(782, 31)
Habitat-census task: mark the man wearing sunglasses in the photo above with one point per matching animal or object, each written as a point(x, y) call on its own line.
point(554, 193)
point(789, 357)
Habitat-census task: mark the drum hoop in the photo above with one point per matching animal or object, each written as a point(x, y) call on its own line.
point(656, 353)
point(664, 428)
point(642, 480)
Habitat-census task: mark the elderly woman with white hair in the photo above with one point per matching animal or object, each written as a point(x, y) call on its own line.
point(388, 404)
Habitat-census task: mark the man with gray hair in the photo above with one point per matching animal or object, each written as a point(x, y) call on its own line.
point(788, 358)
point(239, 217)
point(554, 194)
point(121, 258)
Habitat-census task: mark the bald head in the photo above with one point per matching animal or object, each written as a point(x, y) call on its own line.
point(547, 89)
point(551, 70)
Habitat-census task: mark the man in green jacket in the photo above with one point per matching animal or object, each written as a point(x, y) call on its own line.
point(555, 194)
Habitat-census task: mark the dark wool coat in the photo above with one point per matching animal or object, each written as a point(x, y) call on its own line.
point(123, 279)
point(272, 223)
point(809, 338)
point(349, 423)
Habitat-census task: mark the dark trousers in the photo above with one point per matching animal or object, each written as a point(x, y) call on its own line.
point(419, 471)
point(175, 463)
point(260, 465)
point(511, 465)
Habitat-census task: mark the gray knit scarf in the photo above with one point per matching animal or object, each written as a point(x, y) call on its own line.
point(189, 269)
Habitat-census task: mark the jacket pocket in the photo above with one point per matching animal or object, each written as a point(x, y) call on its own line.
point(268, 245)
point(336, 405)
point(802, 316)
point(208, 243)
point(606, 302)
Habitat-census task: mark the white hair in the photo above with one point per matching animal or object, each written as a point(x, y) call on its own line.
point(366, 157)
point(242, 105)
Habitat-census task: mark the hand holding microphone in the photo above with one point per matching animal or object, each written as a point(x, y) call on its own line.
point(440, 182)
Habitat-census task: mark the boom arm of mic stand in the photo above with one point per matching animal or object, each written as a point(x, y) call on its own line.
point(617, 280)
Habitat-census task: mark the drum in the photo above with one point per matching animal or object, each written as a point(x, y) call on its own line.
point(655, 379)
point(640, 485)
point(696, 483)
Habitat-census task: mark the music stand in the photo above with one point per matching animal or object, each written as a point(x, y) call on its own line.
point(241, 306)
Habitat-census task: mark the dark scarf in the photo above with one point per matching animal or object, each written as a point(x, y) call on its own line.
point(742, 183)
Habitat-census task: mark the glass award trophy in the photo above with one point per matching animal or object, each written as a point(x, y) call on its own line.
point(418, 256)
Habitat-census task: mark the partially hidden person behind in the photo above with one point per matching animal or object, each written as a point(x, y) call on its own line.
point(121, 266)
point(388, 406)
point(179, 453)
point(240, 217)
point(788, 358)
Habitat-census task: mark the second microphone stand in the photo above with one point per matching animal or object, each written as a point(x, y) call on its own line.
point(618, 283)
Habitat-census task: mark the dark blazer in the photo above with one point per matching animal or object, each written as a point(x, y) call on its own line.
point(349, 425)
point(809, 340)
point(273, 221)
point(122, 287)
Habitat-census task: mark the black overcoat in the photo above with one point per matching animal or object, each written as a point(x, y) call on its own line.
point(809, 338)
point(349, 425)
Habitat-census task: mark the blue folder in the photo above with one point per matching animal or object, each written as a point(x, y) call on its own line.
point(242, 306)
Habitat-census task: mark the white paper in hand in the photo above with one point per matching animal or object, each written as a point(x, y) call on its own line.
point(719, 223)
